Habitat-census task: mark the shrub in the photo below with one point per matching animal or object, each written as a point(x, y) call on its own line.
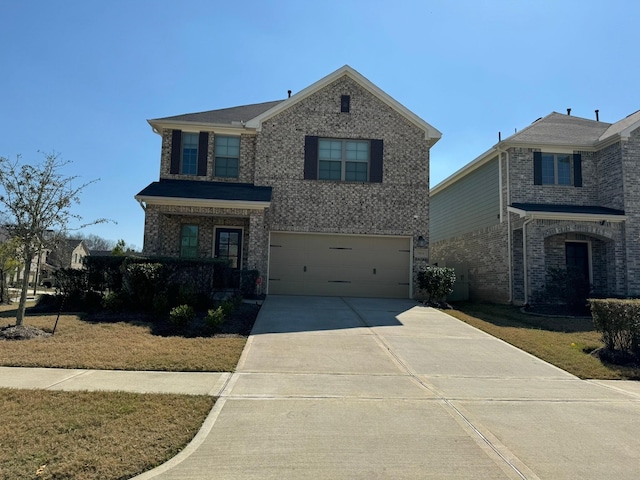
point(215, 318)
point(227, 307)
point(437, 282)
point(248, 282)
point(619, 322)
point(568, 286)
point(181, 315)
point(141, 281)
point(114, 301)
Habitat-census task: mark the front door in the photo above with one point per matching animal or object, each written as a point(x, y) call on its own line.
point(577, 255)
point(228, 245)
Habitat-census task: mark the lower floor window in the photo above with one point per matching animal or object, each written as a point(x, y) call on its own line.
point(189, 241)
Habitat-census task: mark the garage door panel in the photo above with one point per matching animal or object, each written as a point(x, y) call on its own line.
point(339, 265)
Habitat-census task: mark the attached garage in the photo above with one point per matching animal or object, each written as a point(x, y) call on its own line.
point(339, 265)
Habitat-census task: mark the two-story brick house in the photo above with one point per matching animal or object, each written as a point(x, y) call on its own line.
point(325, 192)
point(563, 192)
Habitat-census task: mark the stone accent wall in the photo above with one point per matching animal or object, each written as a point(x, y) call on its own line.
point(485, 253)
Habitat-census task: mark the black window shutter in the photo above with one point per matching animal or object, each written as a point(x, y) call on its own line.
point(310, 157)
point(203, 146)
point(375, 176)
point(176, 147)
point(537, 168)
point(577, 170)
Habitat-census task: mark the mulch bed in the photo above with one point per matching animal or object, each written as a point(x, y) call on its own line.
point(22, 332)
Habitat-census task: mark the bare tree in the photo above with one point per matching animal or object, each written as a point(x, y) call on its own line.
point(37, 201)
point(96, 242)
point(8, 265)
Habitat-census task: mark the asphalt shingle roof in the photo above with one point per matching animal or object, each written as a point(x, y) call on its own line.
point(586, 209)
point(559, 129)
point(207, 190)
point(233, 115)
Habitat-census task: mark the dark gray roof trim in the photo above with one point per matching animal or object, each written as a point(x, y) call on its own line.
point(194, 189)
point(230, 116)
point(575, 209)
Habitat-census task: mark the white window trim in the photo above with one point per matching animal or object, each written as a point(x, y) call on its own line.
point(343, 160)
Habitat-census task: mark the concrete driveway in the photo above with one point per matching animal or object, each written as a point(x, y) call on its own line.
point(344, 388)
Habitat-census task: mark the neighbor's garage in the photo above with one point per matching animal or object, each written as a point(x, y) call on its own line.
point(339, 265)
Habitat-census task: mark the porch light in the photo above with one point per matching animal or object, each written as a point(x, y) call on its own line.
point(421, 242)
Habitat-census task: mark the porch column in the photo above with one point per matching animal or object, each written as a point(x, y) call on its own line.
point(258, 243)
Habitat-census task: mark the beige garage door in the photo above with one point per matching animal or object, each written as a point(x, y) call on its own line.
point(339, 265)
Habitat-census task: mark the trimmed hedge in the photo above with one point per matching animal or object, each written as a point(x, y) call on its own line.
point(619, 322)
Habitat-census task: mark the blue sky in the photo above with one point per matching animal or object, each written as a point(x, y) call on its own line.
point(81, 77)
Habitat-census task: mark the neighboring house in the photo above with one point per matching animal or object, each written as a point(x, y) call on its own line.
point(69, 253)
point(565, 191)
point(325, 193)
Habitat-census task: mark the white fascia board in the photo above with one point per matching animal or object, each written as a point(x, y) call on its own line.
point(431, 133)
point(552, 147)
point(626, 133)
point(585, 217)
point(220, 129)
point(202, 202)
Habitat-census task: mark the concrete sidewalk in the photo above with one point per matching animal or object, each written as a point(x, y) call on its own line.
point(190, 383)
point(367, 388)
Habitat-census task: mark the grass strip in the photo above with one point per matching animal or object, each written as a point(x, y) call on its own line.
point(93, 435)
point(566, 342)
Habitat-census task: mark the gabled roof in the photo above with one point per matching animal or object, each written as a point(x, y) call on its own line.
point(555, 130)
point(431, 133)
point(623, 127)
point(252, 116)
point(201, 193)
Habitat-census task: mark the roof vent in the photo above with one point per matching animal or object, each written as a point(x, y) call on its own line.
point(568, 111)
point(289, 93)
point(597, 115)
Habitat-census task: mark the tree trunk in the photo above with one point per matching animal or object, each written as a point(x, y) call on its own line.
point(22, 306)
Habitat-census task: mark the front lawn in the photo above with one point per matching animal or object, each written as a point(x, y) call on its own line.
point(107, 343)
point(107, 435)
point(90, 435)
point(562, 341)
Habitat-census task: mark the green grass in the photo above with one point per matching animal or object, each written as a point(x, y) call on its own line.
point(562, 341)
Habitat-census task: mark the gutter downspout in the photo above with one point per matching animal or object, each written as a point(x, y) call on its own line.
point(524, 259)
point(508, 199)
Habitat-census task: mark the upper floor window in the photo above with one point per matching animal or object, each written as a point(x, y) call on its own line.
point(189, 241)
point(189, 164)
point(189, 153)
point(557, 169)
point(343, 159)
point(227, 156)
point(346, 160)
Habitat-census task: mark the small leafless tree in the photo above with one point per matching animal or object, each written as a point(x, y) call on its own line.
point(37, 201)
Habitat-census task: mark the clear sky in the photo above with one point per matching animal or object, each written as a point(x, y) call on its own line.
point(81, 77)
